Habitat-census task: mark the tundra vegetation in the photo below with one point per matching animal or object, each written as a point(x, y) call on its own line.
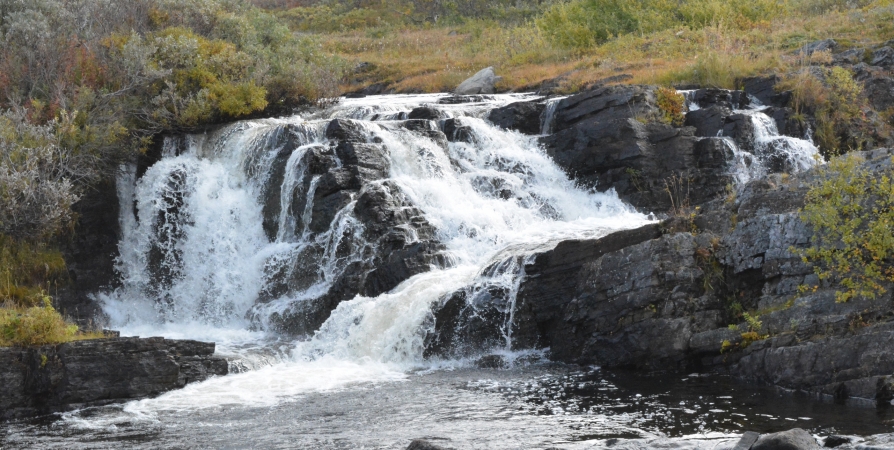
point(87, 84)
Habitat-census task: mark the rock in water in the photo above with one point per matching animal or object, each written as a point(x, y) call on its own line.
point(794, 439)
point(747, 440)
point(421, 444)
point(480, 83)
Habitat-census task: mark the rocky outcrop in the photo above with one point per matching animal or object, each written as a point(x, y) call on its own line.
point(670, 296)
point(53, 378)
point(645, 163)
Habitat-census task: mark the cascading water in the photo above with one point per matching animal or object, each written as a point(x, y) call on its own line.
point(195, 255)
point(232, 233)
point(760, 149)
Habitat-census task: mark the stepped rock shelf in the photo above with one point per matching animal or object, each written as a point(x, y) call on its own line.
point(53, 378)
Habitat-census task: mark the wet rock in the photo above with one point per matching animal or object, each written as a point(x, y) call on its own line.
point(426, 113)
point(747, 440)
point(523, 117)
point(90, 253)
point(788, 122)
point(346, 130)
point(764, 90)
point(490, 362)
point(47, 379)
point(460, 99)
point(706, 98)
point(421, 444)
point(794, 439)
point(456, 131)
point(708, 121)
point(835, 441)
point(640, 161)
point(481, 83)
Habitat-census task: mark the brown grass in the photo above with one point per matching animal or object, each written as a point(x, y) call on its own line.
point(437, 59)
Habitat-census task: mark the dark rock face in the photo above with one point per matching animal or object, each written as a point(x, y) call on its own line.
point(396, 242)
point(794, 439)
point(90, 253)
point(47, 379)
point(604, 104)
point(705, 98)
point(642, 162)
point(879, 90)
point(764, 89)
point(523, 117)
point(663, 297)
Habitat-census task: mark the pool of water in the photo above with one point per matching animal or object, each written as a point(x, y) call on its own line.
point(532, 406)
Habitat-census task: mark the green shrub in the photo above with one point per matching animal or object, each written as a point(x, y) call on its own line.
point(835, 100)
point(583, 23)
point(671, 104)
point(851, 211)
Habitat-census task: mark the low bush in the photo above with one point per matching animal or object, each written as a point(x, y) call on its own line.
point(38, 325)
point(851, 211)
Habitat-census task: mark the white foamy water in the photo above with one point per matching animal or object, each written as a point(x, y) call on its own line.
point(770, 151)
point(195, 258)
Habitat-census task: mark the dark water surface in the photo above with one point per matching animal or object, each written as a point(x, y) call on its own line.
point(540, 406)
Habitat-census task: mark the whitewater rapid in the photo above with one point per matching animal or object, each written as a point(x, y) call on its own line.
point(195, 260)
point(194, 257)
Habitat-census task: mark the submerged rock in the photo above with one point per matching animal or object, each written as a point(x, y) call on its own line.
point(794, 439)
point(421, 444)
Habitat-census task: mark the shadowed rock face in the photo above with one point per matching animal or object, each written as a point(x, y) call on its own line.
point(396, 243)
point(48, 379)
point(524, 117)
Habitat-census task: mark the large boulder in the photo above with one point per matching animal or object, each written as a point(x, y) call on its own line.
point(481, 83)
point(605, 104)
point(655, 167)
point(524, 117)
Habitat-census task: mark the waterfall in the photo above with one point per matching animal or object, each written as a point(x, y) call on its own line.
point(758, 147)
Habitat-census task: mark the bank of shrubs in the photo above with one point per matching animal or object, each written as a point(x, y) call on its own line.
point(85, 84)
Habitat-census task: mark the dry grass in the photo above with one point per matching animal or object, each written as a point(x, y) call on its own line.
point(437, 59)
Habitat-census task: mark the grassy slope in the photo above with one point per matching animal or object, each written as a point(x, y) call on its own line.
point(437, 58)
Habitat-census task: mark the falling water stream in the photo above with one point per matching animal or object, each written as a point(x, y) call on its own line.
point(195, 259)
